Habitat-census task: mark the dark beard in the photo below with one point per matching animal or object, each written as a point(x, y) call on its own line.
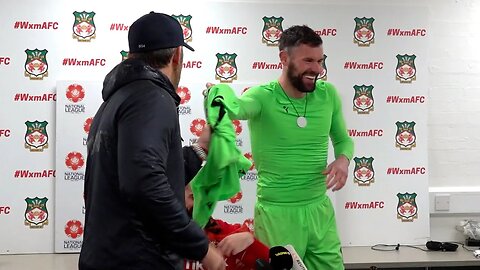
point(296, 81)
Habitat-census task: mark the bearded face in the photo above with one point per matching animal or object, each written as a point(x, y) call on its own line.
point(304, 64)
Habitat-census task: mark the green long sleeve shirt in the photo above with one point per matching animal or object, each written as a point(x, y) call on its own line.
point(290, 159)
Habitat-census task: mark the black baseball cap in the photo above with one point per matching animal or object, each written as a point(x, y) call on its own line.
point(155, 31)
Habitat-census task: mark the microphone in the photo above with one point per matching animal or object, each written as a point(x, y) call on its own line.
point(261, 264)
point(297, 261)
point(280, 258)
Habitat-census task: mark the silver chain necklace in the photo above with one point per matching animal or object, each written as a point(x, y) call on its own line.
point(301, 120)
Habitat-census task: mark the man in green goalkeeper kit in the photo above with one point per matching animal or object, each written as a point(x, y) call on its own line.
point(290, 121)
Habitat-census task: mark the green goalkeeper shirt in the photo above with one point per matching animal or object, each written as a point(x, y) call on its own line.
point(290, 159)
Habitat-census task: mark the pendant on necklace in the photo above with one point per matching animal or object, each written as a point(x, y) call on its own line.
point(301, 122)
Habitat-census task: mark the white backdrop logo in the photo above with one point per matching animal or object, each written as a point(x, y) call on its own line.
point(36, 137)
point(197, 125)
point(36, 213)
point(226, 70)
point(363, 174)
point(75, 93)
point(184, 94)
point(407, 209)
point(74, 161)
point(87, 124)
point(363, 99)
point(84, 26)
point(364, 34)
point(406, 72)
point(186, 26)
point(36, 66)
point(73, 229)
point(323, 75)
point(405, 138)
point(272, 30)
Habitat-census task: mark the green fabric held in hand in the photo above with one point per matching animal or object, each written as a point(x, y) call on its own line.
point(219, 179)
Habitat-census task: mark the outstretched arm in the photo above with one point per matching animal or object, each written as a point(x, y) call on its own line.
point(244, 107)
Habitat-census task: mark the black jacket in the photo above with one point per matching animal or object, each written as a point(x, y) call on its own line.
point(193, 163)
point(134, 185)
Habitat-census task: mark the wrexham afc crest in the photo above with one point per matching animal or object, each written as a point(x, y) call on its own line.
point(405, 138)
point(186, 27)
point(272, 30)
point(364, 34)
point(323, 75)
point(406, 71)
point(36, 214)
point(226, 69)
point(36, 137)
point(407, 209)
point(363, 99)
point(363, 174)
point(36, 66)
point(83, 26)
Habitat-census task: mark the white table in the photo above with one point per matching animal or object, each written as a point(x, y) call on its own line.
point(365, 257)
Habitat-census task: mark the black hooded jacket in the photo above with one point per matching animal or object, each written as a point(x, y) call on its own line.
point(134, 186)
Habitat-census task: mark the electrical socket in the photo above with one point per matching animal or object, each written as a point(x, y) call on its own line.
point(442, 202)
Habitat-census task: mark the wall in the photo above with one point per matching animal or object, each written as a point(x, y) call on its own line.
point(454, 70)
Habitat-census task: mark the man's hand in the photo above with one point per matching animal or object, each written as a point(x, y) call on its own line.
point(235, 243)
point(337, 173)
point(214, 259)
point(204, 139)
point(208, 85)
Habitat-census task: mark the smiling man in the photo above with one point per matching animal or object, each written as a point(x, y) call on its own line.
point(291, 121)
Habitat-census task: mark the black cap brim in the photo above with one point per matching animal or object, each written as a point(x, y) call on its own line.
point(188, 46)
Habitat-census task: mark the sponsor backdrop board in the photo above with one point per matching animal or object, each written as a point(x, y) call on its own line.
point(55, 63)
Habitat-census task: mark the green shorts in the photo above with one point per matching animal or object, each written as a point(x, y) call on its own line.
point(311, 229)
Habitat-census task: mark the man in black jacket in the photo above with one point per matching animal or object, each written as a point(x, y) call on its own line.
point(134, 185)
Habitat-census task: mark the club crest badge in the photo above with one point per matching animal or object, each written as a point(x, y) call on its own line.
point(323, 75)
point(84, 27)
point(363, 99)
point(36, 137)
point(226, 69)
point(364, 174)
point(405, 138)
point(36, 66)
point(36, 213)
point(406, 71)
point(272, 30)
point(407, 209)
point(186, 27)
point(364, 34)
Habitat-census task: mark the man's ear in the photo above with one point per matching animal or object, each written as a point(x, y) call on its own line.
point(177, 56)
point(283, 55)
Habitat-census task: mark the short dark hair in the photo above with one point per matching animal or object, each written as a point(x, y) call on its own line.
point(156, 59)
point(297, 35)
